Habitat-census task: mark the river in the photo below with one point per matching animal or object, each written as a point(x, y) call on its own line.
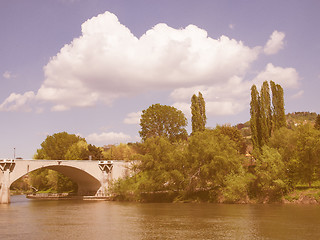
point(66, 219)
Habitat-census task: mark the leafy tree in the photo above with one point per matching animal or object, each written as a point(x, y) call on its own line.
point(235, 135)
point(317, 123)
point(211, 156)
point(270, 174)
point(59, 146)
point(265, 112)
point(56, 146)
point(94, 152)
point(255, 123)
point(163, 121)
point(161, 166)
point(122, 151)
point(279, 116)
point(308, 152)
point(265, 120)
point(198, 112)
point(78, 151)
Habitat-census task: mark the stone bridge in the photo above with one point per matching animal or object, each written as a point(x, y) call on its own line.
point(92, 177)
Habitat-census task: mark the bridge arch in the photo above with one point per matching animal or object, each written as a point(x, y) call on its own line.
point(87, 184)
point(92, 177)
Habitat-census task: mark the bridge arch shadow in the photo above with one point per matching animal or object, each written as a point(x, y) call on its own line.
point(88, 185)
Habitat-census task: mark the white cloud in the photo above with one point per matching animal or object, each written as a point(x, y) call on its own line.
point(133, 118)
point(106, 138)
point(286, 77)
point(7, 75)
point(107, 62)
point(18, 102)
point(275, 43)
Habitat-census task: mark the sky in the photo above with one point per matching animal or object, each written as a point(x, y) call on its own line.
point(89, 67)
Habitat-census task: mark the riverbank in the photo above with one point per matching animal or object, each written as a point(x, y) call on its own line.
point(297, 196)
point(64, 196)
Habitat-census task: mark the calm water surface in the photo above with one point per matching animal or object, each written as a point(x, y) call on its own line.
point(31, 219)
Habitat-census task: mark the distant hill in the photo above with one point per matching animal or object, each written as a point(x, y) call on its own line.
point(297, 118)
point(293, 119)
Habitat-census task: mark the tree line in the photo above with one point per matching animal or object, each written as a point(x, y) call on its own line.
point(211, 164)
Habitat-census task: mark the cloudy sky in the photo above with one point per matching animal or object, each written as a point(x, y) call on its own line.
point(90, 67)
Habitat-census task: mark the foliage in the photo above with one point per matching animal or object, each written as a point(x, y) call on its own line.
point(56, 146)
point(270, 174)
point(279, 117)
point(235, 135)
point(264, 119)
point(198, 112)
point(122, 151)
point(163, 121)
point(211, 156)
point(49, 180)
point(308, 152)
point(317, 122)
point(236, 187)
point(255, 124)
point(77, 151)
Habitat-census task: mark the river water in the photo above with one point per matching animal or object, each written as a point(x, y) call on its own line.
point(34, 219)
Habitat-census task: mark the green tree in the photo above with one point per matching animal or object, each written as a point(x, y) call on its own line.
point(198, 111)
point(163, 121)
point(308, 152)
point(255, 123)
point(265, 113)
point(77, 151)
point(317, 123)
point(279, 116)
point(121, 151)
point(94, 152)
point(270, 174)
point(56, 146)
point(211, 157)
point(235, 135)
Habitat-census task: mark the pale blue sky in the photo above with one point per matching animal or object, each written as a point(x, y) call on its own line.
point(137, 53)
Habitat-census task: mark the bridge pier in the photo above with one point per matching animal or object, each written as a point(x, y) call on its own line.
point(6, 167)
point(106, 177)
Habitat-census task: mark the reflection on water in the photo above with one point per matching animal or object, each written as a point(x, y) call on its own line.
point(31, 219)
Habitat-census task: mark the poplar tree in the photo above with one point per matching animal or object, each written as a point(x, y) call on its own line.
point(266, 113)
point(279, 117)
point(255, 118)
point(198, 111)
point(317, 123)
point(202, 107)
point(264, 118)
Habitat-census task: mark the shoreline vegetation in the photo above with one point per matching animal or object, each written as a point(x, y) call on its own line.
point(272, 158)
point(302, 196)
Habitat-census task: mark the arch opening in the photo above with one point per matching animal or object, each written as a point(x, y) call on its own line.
point(82, 183)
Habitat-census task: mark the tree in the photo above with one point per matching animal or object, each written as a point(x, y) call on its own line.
point(211, 157)
point(317, 123)
point(56, 146)
point(163, 121)
point(308, 152)
point(235, 135)
point(264, 120)
point(78, 151)
point(198, 111)
point(255, 123)
point(279, 116)
point(265, 112)
point(270, 174)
